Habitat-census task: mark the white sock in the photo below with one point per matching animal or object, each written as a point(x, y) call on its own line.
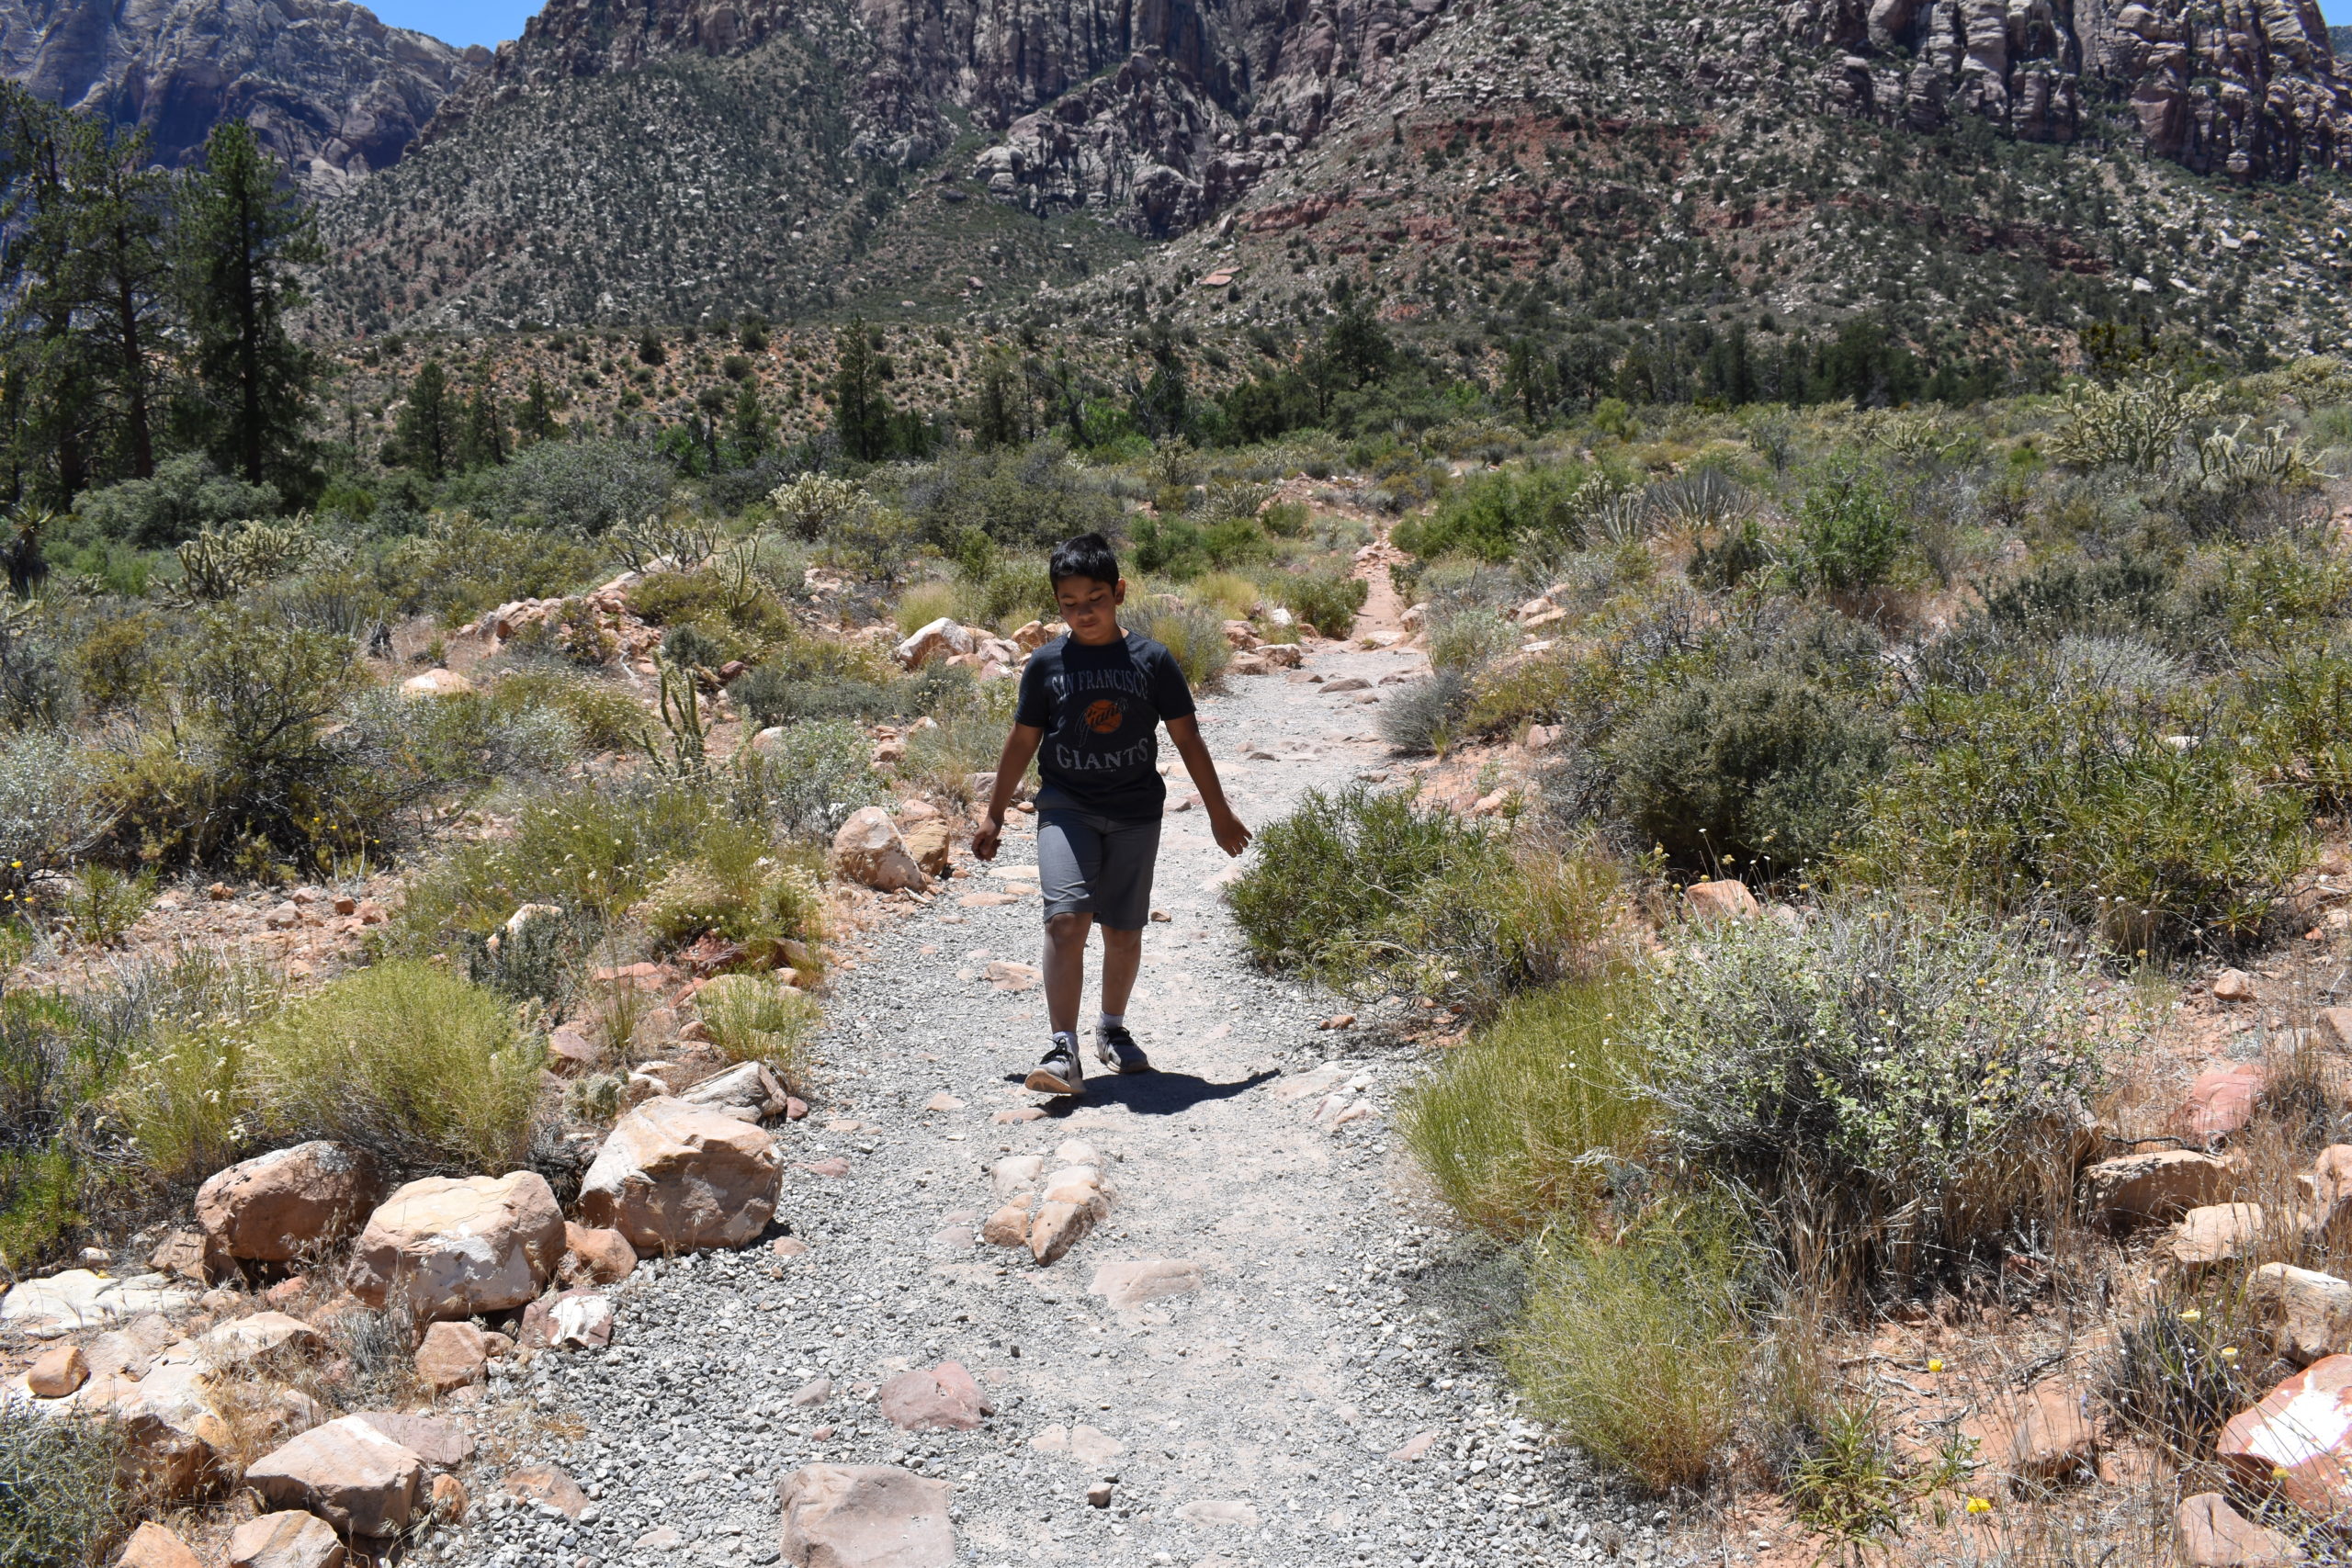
point(1109, 1020)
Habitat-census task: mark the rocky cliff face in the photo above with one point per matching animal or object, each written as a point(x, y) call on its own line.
point(2244, 88)
point(326, 84)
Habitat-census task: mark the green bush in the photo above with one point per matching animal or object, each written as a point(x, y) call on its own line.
point(1327, 601)
point(2126, 816)
point(1029, 498)
point(736, 883)
point(1197, 637)
point(63, 1503)
point(1494, 516)
point(603, 717)
point(1638, 1350)
point(186, 496)
point(1530, 1120)
point(1467, 637)
point(811, 679)
point(49, 815)
point(583, 488)
point(423, 1070)
point(1371, 892)
point(461, 566)
point(806, 781)
point(1759, 766)
point(1895, 1093)
point(1426, 717)
point(750, 1019)
point(1851, 529)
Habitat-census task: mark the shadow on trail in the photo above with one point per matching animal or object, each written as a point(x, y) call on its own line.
point(1149, 1094)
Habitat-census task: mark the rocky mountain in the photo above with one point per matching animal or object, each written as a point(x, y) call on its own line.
point(1994, 167)
point(324, 83)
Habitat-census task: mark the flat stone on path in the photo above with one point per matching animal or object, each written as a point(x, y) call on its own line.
point(1124, 1285)
point(545, 1484)
point(864, 1516)
point(79, 1299)
point(932, 1399)
point(1415, 1449)
point(1219, 1513)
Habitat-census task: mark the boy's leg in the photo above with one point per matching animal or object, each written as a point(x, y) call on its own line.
point(1123, 908)
point(1065, 968)
point(1122, 957)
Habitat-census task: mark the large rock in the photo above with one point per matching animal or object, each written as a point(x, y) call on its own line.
point(2309, 1313)
point(175, 1436)
point(869, 851)
point(2219, 1103)
point(864, 1516)
point(288, 1203)
point(943, 639)
point(456, 1248)
point(451, 1357)
point(440, 1444)
point(927, 1399)
point(674, 1177)
point(594, 1256)
point(152, 1546)
point(1726, 899)
point(242, 1341)
point(348, 1473)
point(57, 1372)
point(929, 843)
point(2217, 1233)
point(78, 1299)
point(2297, 1441)
point(2162, 1185)
point(2214, 1535)
point(289, 1539)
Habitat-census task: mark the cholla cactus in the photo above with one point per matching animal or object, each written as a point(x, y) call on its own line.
point(683, 541)
point(2137, 426)
point(2227, 461)
point(811, 504)
point(220, 565)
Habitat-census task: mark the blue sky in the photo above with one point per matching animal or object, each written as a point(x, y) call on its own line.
point(491, 22)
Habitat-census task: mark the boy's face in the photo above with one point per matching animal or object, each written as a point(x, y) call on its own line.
point(1092, 607)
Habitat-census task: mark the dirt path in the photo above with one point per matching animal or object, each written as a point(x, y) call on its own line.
point(1309, 1403)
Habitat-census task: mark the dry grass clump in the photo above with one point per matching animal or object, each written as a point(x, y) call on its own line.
point(750, 1019)
point(61, 1502)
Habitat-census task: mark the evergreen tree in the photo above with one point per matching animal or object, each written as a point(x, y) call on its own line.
point(122, 234)
point(860, 413)
point(484, 441)
point(242, 233)
point(996, 422)
point(538, 421)
point(43, 278)
point(425, 439)
point(749, 432)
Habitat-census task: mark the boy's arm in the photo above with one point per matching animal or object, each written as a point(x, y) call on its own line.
point(1231, 836)
point(1011, 763)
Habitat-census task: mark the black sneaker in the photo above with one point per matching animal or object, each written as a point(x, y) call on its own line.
point(1118, 1050)
point(1059, 1073)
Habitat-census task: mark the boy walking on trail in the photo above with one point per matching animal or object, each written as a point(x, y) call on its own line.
point(1090, 705)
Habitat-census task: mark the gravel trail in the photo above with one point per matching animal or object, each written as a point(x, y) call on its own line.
point(1309, 1404)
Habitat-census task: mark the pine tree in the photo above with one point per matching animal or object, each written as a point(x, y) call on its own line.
point(242, 233)
point(861, 414)
point(996, 422)
point(748, 432)
point(538, 421)
point(483, 443)
point(123, 232)
point(425, 437)
point(42, 276)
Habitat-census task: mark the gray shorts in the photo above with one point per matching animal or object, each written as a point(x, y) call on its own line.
point(1097, 865)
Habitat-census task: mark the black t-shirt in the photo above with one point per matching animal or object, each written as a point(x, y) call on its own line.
point(1101, 709)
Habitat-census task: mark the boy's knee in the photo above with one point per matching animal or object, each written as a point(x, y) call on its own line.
point(1067, 928)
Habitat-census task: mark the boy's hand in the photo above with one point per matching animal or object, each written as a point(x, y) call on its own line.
point(1230, 835)
point(985, 837)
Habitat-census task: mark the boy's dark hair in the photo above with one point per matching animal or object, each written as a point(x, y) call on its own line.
point(1089, 555)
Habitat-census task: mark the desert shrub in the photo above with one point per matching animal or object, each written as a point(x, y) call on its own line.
point(732, 614)
point(1370, 891)
point(49, 814)
point(413, 747)
point(752, 1019)
point(1327, 601)
point(2129, 818)
point(603, 717)
point(104, 903)
point(811, 503)
point(583, 488)
point(1637, 1350)
point(1228, 594)
point(812, 679)
point(461, 567)
point(1197, 637)
point(121, 662)
point(1425, 718)
point(739, 883)
point(61, 1501)
point(1760, 765)
point(1466, 638)
point(967, 738)
point(425, 1071)
point(51, 1067)
point(1541, 1112)
point(2120, 596)
point(2173, 1376)
point(181, 1099)
point(806, 781)
point(574, 633)
point(186, 496)
point(923, 604)
point(1850, 528)
point(1028, 497)
point(592, 851)
point(2302, 715)
point(1493, 515)
point(1894, 1093)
